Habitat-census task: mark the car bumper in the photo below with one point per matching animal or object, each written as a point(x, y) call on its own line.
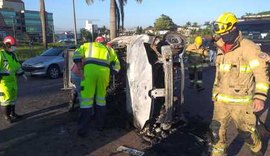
point(35, 70)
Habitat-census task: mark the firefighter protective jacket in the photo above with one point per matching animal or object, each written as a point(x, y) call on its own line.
point(196, 55)
point(97, 53)
point(241, 73)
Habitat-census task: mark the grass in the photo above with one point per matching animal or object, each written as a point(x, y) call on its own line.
point(26, 52)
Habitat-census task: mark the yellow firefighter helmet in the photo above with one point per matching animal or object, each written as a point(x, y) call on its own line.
point(224, 23)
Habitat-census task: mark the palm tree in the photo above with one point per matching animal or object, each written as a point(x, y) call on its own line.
point(114, 14)
point(112, 19)
point(122, 3)
point(43, 23)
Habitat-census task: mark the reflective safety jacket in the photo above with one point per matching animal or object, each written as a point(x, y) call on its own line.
point(241, 73)
point(196, 55)
point(97, 53)
point(9, 67)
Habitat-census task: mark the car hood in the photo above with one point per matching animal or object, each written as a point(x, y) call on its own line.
point(40, 59)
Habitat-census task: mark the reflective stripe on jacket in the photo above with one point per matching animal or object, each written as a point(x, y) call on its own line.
point(241, 74)
point(97, 53)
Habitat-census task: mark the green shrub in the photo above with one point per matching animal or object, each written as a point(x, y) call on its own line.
point(25, 52)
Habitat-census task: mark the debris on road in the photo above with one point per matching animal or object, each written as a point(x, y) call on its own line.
point(130, 151)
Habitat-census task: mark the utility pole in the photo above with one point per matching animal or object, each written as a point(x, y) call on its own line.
point(53, 33)
point(74, 18)
point(13, 26)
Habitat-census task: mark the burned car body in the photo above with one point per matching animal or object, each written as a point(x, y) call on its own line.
point(154, 81)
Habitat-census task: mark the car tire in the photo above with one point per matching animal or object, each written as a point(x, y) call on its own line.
point(53, 72)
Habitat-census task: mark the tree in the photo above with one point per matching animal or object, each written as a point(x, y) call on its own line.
point(114, 14)
point(248, 13)
point(207, 23)
point(259, 13)
point(264, 13)
point(103, 31)
point(86, 35)
point(43, 23)
point(139, 30)
point(164, 23)
point(112, 17)
point(188, 24)
point(195, 24)
point(121, 4)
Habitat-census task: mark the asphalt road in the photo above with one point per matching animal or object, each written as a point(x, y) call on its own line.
point(48, 129)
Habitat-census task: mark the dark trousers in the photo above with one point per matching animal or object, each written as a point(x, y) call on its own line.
point(86, 114)
point(195, 75)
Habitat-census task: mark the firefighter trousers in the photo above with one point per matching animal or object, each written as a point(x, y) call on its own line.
point(244, 120)
point(195, 74)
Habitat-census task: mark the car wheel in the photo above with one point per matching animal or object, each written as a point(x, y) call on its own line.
point(53, 72)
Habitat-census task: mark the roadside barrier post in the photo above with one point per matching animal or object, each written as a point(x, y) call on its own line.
point(67, 67)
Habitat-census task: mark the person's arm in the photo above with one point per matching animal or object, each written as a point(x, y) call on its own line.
point(114, 60)
point(3, 71)
point(78, 56)
point(258, 63)
point(216, 89)
point(206, 55)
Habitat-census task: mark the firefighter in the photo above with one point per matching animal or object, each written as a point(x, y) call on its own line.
point(196, 57)
point(9, 68)
point(96, 73)
point(240, 87)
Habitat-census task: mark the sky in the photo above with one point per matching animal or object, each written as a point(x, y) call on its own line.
point(144, 14)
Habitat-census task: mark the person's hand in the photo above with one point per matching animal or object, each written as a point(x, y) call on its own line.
point(258, 105)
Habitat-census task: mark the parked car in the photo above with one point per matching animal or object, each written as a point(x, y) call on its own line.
point(49, 63)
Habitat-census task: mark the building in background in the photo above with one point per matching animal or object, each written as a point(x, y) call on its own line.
point(24, 24)
point(92, 28)
point(16, 5)
point(32, 25)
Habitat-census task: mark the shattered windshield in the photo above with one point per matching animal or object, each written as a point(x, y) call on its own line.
point(255, 30)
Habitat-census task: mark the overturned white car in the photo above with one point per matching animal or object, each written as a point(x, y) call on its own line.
point(154, 82)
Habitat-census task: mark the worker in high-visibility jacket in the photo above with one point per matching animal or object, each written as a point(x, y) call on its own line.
point(9, 68)
point(196, 55)
point(240, 87)
point(98, 61)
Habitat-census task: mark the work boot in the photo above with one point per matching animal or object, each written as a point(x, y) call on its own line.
point(84, 121)
point(6, 113)
point(13, 115)
point(100, 117)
